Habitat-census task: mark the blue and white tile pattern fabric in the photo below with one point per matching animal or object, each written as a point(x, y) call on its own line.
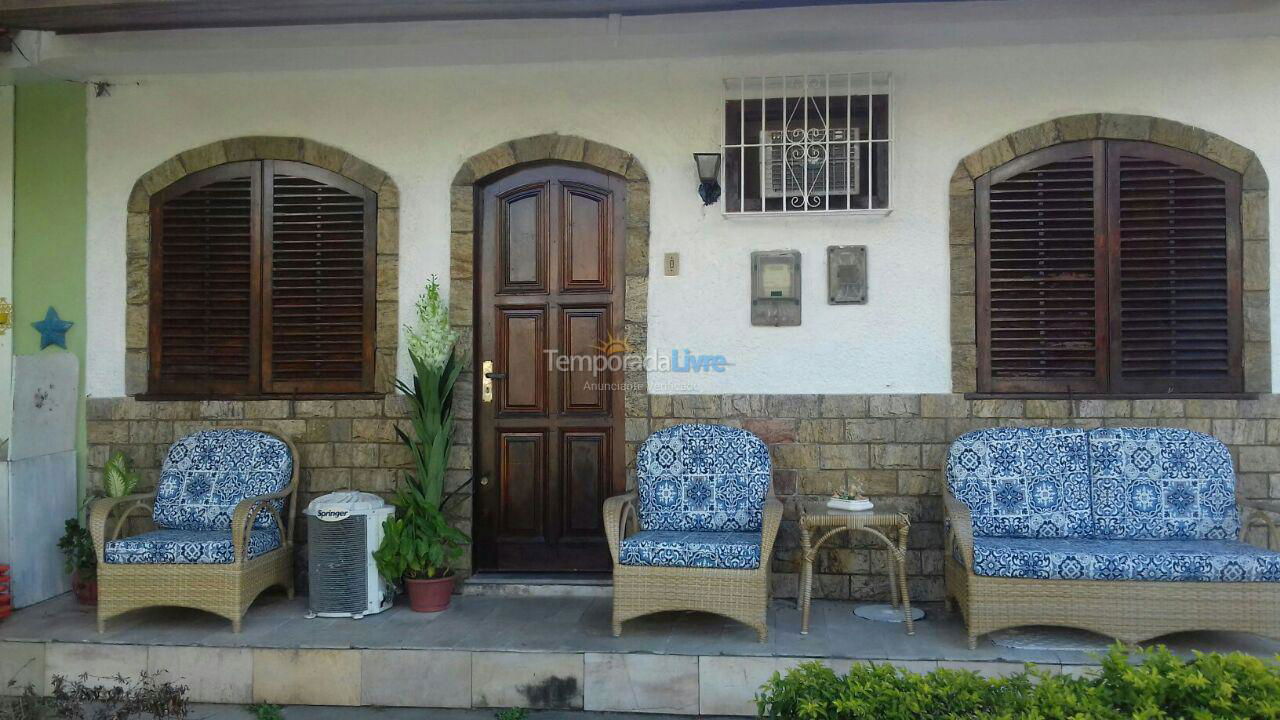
point(702, 478)
point(1023, 482)
point(206, 474)
point(1127, 559)
point(698, 549)
point(187, 547)
point(1155, 483)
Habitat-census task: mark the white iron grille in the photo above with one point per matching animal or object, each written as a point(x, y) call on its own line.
point(809, 153)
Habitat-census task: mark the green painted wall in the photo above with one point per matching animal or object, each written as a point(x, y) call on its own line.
point(49, 218)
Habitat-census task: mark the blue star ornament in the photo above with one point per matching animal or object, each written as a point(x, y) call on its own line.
point(53, 329)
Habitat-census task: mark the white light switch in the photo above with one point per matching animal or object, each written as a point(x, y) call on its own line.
point(671, 264)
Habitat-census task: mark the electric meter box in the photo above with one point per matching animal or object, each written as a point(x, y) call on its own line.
point(775, 287)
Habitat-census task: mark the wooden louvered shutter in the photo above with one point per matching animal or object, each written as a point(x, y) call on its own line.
point(204, 283)
point(1174, 230)
point(319, 280)
point(1041, 274)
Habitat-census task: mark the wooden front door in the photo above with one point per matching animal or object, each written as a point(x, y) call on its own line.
point(549, 297)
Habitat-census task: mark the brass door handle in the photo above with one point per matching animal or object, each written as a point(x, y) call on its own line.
point(486, 381)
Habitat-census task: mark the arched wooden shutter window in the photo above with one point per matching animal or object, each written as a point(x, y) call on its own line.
point(262, 282)
point(1109, 267)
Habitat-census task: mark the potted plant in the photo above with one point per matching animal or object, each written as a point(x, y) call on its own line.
point(81, 561)
point(76, 544)
point(419, 546)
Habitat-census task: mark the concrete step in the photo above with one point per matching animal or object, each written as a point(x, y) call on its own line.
point(579, 585)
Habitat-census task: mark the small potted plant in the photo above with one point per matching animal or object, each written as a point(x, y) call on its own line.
point(76, 544)
point(81, 561)
point(419, 546)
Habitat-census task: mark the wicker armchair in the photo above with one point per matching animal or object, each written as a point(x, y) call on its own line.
point(1129, 532)
point(698, 532)
point(222, 534)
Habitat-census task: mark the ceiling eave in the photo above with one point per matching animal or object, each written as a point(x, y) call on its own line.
point(98, 16)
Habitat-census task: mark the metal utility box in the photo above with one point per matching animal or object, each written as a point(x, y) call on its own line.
point(847, 274)
point(775, 287)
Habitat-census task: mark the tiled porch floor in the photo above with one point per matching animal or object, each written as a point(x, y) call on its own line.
point(483, 637)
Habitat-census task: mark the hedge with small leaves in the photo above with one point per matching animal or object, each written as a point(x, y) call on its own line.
point(1149, 685)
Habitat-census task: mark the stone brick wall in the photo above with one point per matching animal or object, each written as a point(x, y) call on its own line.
point(892, 446)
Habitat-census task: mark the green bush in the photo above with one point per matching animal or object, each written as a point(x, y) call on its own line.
point(1153, 685)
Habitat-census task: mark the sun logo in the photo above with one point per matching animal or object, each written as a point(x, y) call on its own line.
point(613, 345)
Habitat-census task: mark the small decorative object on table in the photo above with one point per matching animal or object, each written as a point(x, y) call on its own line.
point(850, 501)
point(888, 527)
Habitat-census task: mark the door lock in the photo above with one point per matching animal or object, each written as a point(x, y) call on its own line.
point(484, 480)
point(487, 376)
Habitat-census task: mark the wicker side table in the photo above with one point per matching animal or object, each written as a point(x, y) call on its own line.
point(819, 523)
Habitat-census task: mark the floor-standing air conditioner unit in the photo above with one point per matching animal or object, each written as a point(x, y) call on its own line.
point(343, 530)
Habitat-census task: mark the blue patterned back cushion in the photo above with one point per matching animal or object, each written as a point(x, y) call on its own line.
point(206, 474)
point(1023, 482)
point(1160, 483)
point(702, 477)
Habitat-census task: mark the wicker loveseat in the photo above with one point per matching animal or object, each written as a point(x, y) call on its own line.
point(222, 537)
point(1129, 532)
point(706, 520)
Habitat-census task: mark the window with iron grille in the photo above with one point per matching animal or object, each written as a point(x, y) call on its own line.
point(262, 282)
point(807, 143)
point(1109, 267)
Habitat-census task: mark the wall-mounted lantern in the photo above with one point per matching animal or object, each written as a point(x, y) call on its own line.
point(708, 176)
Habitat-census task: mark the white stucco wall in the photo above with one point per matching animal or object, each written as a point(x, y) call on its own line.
point(420, 124)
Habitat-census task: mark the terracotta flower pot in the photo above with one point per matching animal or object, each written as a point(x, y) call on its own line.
point(429, 595)
point(86, 590)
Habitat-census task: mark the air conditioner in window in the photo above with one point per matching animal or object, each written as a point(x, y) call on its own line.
point(818, 162)
point(343, 531)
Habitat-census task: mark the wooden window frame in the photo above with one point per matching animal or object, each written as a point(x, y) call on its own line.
point(1108, 381)
point(260, 383)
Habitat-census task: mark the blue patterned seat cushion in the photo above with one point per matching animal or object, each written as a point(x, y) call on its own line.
point(702, 477)
point(1023, 482)
point(1126, 559)
point(1153, 483)
point(187, 547)
point(698, 549)
point(206, 474)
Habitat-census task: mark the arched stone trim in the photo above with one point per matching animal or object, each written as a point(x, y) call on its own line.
point(138, 239)
point(565, 148)
point(1253, 218)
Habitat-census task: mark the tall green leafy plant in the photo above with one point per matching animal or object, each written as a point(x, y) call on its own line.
point(419, 542)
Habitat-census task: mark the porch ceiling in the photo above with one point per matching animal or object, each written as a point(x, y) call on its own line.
point(90, 16)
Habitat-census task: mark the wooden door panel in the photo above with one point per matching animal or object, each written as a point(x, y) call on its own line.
point(548, 451)
point(1174, 228)
point(1041, 277)
point(587, 241)
point(522, 475)
point(522, 239)
point(206, 282)
point(584, 463)
point(522, 333)
point(584, 332)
